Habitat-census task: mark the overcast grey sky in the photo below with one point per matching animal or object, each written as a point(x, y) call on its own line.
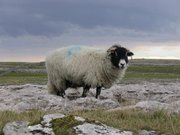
point(30, 29)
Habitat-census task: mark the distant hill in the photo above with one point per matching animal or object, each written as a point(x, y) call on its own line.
point(162, 62)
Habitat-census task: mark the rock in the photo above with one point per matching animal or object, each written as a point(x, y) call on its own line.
point(79, 118)
point(152, 105)
point(149, 96)
point(23, 128)
point(27, 97)
point(91, 102)
point(17, 128)
point(48, 118)
point(40, 130)
point(94, 129)
point(161, 92)
point(171, 98)
point(45, 127)
point(144, 132)
point(175, 106)
point(83, 127)
point(105, 94)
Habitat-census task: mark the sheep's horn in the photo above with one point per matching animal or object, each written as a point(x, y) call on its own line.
point(111, 50)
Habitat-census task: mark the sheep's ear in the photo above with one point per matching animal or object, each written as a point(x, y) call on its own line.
point(111, 50)
point(130, 53)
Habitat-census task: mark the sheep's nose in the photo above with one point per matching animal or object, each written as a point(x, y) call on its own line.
point(122, 65)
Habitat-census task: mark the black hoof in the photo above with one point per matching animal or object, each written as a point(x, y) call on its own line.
point(83, 95)
point(62, 94)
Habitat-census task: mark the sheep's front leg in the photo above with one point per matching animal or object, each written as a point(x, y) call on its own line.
point(98, 91)
point(85, 90)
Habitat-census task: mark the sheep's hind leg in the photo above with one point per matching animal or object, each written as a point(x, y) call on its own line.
point(61, 93)
point(61, 86)
point(51, 88)
point(98, 91)
point(85, 90)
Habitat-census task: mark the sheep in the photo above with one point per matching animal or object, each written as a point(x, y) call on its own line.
point(85, 67)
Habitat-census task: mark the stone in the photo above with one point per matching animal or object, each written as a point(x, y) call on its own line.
point(17, 128)
point(79, 118)
point(48, 118)
point(150, 96)
point(152, 105)
point(20, 98)
point(24, 97)
point(144, 132)
point(84, 127)
point(40, 130)
point(97, 129)
point(91, 103)
point(45, 127)
point(176, 106)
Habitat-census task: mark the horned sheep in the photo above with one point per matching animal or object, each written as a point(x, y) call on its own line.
point(85, 67)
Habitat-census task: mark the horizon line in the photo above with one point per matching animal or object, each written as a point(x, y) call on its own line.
point(134, 58)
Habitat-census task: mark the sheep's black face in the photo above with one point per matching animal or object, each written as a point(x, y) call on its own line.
point(119, 56)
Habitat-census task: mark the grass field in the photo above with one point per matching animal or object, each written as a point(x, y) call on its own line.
point(20, 73)
point(37, 65)
point(23, 78)
point(142, 70)
point(149, 72)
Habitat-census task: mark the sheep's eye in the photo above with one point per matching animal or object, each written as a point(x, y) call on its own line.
point(116, 54)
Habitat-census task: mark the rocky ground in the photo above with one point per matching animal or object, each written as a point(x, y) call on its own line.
point(81, 127)
point(145, 95)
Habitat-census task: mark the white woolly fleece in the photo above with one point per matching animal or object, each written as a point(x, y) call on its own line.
point(81, 65)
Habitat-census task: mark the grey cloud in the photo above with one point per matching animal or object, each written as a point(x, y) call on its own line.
point(56, 17)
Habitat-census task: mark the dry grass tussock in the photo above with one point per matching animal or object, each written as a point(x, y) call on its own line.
point(134, 120)
point(33, 116)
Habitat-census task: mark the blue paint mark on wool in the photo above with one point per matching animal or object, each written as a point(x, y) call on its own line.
point(73, 51)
